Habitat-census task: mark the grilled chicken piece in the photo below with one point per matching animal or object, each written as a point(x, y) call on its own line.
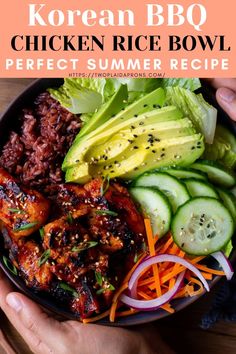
point(73, 250)
point(70, 199)
point(118, 197)
point(119, 200)
point(32, 264)
point(88, 246)
point(22, 210)
point(62, 235)
point(86, 303)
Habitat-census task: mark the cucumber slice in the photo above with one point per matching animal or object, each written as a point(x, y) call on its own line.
point(202, 226)
point(186, 173)
point(198, 188)
point(174, 190)
point(156, 206)
point(228, 200)
point(216, 173)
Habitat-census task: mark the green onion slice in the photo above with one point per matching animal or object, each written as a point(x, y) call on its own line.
point(70, 218)
point(16, 211)
point(102, 290)
point(88, 245)
point(99, 278)
point(68, 288)
point(9, 265)
point(106, 212)
point(43, 259)
point(105, 185)
point(41, 232)
point(26, 226)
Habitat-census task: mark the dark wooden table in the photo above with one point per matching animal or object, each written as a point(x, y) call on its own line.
point(181, 330)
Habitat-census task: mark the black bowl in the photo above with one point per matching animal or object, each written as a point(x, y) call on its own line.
point(8, 120)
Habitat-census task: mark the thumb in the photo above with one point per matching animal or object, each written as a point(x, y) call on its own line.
point(227, 100)
point(37, 322)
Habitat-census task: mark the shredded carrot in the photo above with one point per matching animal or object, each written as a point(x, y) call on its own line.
point(155, 239)
point(146, 281)
point(209, 270)
point(175, 268)
point(158, 279)
point(199, 290)
point(122, 288)
point(166, 245)
point(152, 251)
point(96, 318)
point(167, 308)
point(148, 297)
point(196, 260)
point(112, 314)
point(112, 311)
point(183, 292)
point(207, 276)
point(144, 295)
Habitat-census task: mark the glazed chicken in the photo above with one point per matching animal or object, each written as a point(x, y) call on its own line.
point(89, 242)
point(28, 258)
point(22, 210)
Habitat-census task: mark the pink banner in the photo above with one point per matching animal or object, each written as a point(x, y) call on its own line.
point(103, 38)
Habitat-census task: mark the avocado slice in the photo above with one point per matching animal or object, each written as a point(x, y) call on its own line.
point(79, 174)
point(169, 152)
point(116, 103)
point(178, 151)
point(147, 103)
point(144, 136)
point(75, 174)
point(79, 148)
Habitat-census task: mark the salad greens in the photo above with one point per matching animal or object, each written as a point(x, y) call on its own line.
point(201, 113)
point(223, 148)
point(85, 95)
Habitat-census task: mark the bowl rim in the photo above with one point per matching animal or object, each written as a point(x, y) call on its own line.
point(16, 104)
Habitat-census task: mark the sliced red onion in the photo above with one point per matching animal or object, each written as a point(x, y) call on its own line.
point(150, 305)
point(158, 259)
point(224, 263)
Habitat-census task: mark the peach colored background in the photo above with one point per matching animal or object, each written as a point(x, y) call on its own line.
point(14, 20)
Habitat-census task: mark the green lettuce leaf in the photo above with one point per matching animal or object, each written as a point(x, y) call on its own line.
point(193, 106)
point(228, 249)
point(84, 95)
point(148, 85)
point(189, 84)
point(223, 148)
